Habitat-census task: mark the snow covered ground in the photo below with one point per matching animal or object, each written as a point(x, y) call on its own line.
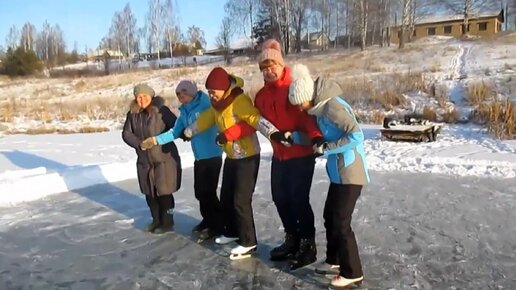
point(414, 230)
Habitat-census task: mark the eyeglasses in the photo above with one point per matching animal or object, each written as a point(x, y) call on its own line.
point(268, 68)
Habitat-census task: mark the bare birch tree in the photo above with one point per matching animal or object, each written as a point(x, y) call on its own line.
point(171, 31)
point(43, 42)
point(405, 19)
point(155, 26)
point(363, 12)
point(196, 37)
point(28, 37)
point(299, 19)
point(129, 29)
point(243, 13)
point(224, 38)
point(13, 38)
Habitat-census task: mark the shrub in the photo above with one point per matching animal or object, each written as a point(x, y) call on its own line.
point(478, 92)
point(20, 62)
point(499, 117)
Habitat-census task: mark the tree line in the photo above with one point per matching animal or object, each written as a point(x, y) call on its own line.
point(347, 22)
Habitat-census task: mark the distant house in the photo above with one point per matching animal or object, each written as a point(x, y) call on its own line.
point(483, 24)
point(315, 40)
point(101, 54)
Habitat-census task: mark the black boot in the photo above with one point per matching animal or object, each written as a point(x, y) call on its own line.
point(167, 222)
point(199, 227)
point(206, 234)
point(287, 250)
point(306, 255)
point(154, 209)
point(152, 226)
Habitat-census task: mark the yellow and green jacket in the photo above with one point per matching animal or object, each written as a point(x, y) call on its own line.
point(239, 109)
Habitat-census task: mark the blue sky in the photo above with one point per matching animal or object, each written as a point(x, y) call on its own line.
point(87, 21)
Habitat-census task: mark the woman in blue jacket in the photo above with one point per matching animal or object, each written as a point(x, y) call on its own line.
point(346, 168)
point(208, 156)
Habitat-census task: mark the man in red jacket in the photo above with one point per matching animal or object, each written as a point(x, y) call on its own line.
point(292, 166)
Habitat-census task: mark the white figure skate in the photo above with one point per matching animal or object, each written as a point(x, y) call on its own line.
point(222, 240)
point(241, 252)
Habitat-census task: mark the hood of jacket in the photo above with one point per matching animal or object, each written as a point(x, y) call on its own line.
point(324, 91)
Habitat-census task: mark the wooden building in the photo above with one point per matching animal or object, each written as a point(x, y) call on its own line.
point(485, 24)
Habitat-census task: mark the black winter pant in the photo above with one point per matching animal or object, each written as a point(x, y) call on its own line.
point(159, 206)
point(238, 182)
point(342, 246)
point(291, 181)
point(206, 179)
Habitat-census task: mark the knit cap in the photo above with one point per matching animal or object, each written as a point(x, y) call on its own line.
point(143, 88)
point(271, 49)
point(301, 88)
point(218, 79)
point(188, 87)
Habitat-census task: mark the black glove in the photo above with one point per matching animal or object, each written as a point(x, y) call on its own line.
point(285, 138)
point(182, 136)
point(221, 139)
point(319, 145)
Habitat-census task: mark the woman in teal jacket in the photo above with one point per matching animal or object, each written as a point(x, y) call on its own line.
point(208, 156)
point(346, 168)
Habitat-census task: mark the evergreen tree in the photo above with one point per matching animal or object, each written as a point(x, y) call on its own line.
point(264, 28)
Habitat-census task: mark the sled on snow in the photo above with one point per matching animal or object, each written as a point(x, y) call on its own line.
point(411, 129)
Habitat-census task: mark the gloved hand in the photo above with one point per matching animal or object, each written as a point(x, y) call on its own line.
point(148, 143)
point(283, 137)
point(221, 139)
point(183, 136)
point(319, 145)
point(188, 133)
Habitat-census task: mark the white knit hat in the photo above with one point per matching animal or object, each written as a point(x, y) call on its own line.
point(302, 86)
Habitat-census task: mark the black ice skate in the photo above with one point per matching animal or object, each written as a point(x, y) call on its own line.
point(287, 250)
point(205, 234)
point(241, 252)
point(306, 255)
point(199, 227)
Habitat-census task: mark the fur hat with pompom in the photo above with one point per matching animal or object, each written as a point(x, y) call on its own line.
point(301, 89)
point(271, 49)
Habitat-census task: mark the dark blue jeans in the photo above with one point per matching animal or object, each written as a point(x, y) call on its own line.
point(291, 181)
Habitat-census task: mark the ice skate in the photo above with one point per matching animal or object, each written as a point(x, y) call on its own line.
point(241, 252)
point(327, 269)
point(339, 282)
point(306, 255)
point(199, 227)
point(205, 235)
point(222, 240)
point(286, 250)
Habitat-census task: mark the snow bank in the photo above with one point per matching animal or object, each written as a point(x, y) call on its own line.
point(33, 184)
point(33, 167)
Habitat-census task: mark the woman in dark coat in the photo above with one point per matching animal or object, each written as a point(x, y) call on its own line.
point(159, 168)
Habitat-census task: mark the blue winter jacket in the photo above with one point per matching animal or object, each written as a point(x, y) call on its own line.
point(203, 144)
point(346, 161)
